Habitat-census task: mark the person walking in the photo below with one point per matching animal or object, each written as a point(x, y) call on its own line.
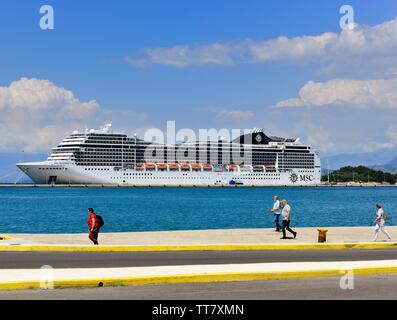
point(286, 215)
point(276, 213)
point(93, 226)
point(379, 222)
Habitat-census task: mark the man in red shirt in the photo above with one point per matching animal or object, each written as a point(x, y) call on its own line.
point(93, 227)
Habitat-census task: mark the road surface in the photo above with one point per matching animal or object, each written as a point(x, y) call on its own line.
point(31, 260)
point(365, 287)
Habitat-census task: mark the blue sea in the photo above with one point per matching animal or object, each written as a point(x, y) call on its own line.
point(64, 210)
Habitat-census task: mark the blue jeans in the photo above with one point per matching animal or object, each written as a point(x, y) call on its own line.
point(276, 221)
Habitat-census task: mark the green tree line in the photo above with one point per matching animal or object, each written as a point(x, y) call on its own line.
point(360, 174)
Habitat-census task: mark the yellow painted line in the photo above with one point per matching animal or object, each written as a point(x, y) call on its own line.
point(5, 237)
point(196, 278)
point(200, 247)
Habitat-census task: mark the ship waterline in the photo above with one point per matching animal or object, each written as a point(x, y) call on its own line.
point(102, 157)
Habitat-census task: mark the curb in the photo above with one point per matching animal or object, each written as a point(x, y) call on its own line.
point(200, 247)
point(199, 277)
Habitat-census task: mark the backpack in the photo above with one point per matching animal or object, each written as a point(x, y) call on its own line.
point(385, 216)
point(100, 221)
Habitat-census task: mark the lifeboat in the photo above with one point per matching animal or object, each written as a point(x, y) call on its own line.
point(162, 165)
point(232, 167)
point(140, 166)
point(196, 166)
point(173, 166)
point(207, 166)
point(149, 165)
point(185, 166)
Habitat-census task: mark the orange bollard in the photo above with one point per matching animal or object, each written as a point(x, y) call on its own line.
point(322, 235)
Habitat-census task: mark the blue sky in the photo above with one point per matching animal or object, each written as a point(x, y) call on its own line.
point(90, 51)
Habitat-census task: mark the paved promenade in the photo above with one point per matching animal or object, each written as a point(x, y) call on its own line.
point(227, 236)
point(146, 258)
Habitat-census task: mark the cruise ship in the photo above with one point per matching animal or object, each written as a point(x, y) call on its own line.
point(107, 158)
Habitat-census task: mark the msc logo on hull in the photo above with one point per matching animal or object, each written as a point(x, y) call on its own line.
point(302, 177)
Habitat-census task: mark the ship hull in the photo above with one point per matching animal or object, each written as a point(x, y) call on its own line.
point(50, 173)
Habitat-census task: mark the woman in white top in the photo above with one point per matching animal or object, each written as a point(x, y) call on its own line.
point(379, 222)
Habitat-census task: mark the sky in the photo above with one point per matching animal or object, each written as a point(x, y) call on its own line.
point(285, 66)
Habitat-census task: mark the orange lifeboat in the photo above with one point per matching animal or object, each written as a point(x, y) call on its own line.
point(149, 165)
point(232, 166)
point(196, 166)
point(162, 166)
point(140, 166)
point(173, 166)
point(184, 165)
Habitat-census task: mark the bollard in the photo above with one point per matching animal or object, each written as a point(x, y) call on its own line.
point(322, 235)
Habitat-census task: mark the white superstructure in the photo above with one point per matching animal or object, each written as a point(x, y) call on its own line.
point(103, 157)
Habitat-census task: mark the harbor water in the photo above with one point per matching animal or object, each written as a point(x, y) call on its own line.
point(64, 210)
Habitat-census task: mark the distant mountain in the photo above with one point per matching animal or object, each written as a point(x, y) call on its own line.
point(385, 158)
point(9, 172)
point(389, 167)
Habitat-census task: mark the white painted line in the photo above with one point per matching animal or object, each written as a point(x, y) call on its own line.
point(8, 275)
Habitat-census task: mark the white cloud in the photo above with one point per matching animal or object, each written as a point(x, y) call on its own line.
point(195, 55)
point(358, 93)
point(316, 135)
point(374, 145)
point(35, 96)
point(35, 115)
point(232, 113)
point(362, 44)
